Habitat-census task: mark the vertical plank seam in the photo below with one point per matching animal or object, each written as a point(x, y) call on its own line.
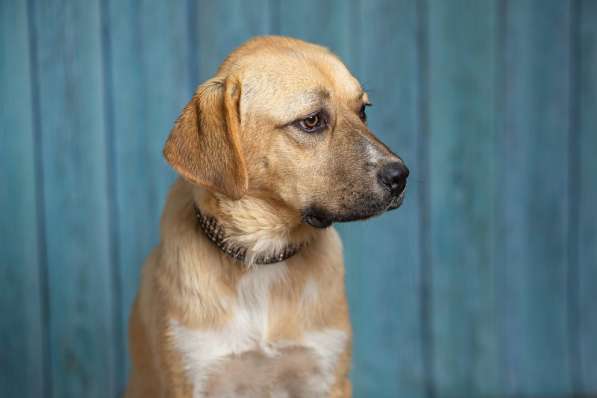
point(118, 373)
point(498, 97)
point(499, 211)
point(356, 52)
point(573, 198)
point(192, 34)
point(423, 164)
point(40, 202)
point(274, 6)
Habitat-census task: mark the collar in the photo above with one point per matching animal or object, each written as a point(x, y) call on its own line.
point(215, 233)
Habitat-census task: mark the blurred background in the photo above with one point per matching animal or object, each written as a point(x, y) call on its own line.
point(483, 285)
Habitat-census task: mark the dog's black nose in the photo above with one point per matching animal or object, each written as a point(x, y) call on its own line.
point(393, 176)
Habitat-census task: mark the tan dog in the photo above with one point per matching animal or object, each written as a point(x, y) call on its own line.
point(244, 296)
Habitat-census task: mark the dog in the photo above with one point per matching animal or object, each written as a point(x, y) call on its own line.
point(244, 296)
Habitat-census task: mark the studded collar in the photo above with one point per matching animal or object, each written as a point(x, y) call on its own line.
point(214, 231)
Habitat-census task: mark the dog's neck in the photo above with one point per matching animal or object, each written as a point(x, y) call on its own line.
point(256, 229)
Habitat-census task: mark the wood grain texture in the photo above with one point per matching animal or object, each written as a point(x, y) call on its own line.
point(74, 166)
point(586, 244)
point(21, 324)
point(532, 240)
point(149, 86)
point(462, 58)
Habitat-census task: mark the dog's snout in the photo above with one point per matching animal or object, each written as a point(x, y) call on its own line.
point(393, 176)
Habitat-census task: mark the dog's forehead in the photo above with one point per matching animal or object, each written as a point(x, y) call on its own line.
point(285, 85)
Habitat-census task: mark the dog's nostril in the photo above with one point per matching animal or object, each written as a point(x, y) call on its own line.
point(393, 176)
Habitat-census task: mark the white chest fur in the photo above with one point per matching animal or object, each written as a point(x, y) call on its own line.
point(243, 345)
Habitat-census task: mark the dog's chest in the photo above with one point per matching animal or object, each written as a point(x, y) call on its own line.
point(239, 360)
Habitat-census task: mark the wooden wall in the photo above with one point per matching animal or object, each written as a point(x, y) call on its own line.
point(483, 285)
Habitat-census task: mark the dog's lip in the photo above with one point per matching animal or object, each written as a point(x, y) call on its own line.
point(316, 221)
point(318, 218)
point(397, 201)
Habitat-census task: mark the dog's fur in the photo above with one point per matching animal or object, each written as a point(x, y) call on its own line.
point(205, 325)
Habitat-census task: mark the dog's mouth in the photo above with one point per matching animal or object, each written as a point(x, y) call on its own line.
point(320, 218)
point(396, 201)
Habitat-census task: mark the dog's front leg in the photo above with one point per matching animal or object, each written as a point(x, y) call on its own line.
point(176, 382)
point(342, 387)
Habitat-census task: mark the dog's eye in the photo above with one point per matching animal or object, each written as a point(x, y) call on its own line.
point(363, 113)
point(312, 123)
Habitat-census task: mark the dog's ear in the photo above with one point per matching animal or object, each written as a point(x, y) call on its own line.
point(204, 145)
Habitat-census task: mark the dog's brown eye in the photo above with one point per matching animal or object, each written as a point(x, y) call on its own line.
point(312, 123)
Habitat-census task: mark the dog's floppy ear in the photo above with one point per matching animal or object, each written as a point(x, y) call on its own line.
point(204, 145)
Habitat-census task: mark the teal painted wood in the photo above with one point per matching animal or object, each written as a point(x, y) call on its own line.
point(586, 244)
point(532, 244)
point(462, 37)
point(224, 25)
point(21, 324)
point(150, 84)
point(388, 347)
point(69, 66)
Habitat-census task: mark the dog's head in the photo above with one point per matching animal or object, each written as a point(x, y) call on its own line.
point(285, 120)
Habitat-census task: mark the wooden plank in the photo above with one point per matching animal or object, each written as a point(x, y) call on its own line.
point(586, 244)
point(242, 20)
point(149, 85)
point(462, 48)
point(21, 324)
point(382, 255)
point(69, 66)
point(533, 180)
